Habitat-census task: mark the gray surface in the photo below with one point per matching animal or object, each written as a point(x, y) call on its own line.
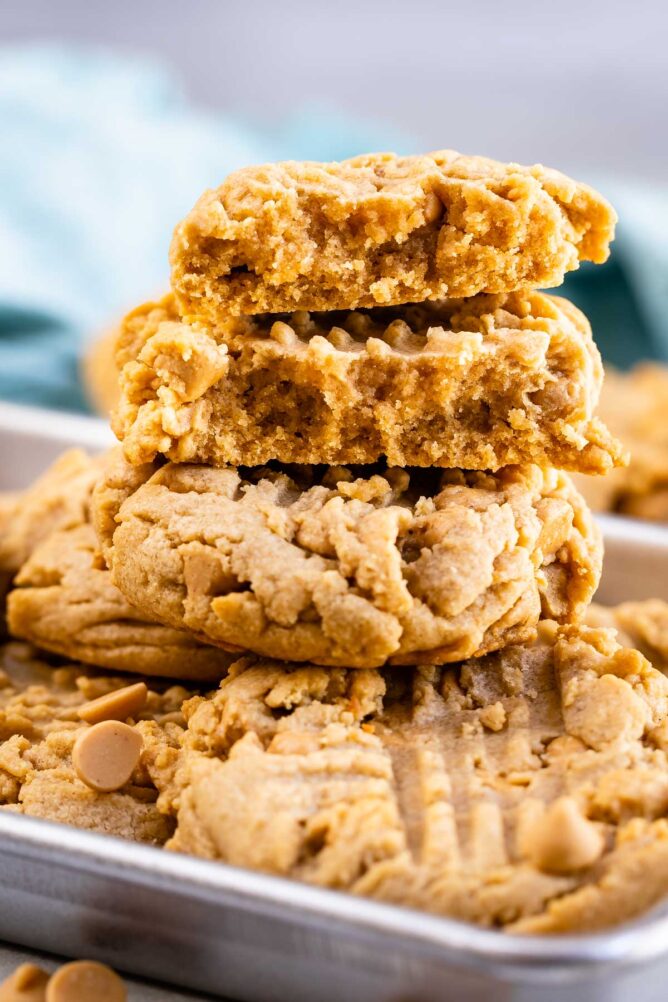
point(253, 937)
point(580, 85)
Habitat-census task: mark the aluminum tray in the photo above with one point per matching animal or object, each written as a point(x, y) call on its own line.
point(244, 935)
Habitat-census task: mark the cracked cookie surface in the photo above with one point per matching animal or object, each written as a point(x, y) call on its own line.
point(39, 725)
point(527, 790)
point(382, 230)
point(63, 598)
point(472, 384)
point(349, 567)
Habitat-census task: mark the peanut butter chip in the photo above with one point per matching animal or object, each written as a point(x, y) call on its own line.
point(433, 208)
point(118, 705)
point(563, 840)
point(85, 981)
point(26, 984)
point(106, 755)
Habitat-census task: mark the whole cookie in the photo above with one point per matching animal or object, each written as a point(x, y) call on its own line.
point(59, 498)
point(63, 598)
point(525, 790)
point(345, 567)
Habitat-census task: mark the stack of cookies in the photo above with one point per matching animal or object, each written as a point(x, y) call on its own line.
point(341, 490)
point(363, 467)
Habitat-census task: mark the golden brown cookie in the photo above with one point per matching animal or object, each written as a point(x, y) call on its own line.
point(64, 601)
point(7, 509)
point(58, 499)
point(349, 567)
point(39, 726)
point(382, 230)
point(526, 790)
point(643, 625)
point(634, 406)
point(99, 373)
point(63, 598)
point(472, 384)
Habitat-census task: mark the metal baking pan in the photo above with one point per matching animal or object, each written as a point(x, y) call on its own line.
point(244, 935)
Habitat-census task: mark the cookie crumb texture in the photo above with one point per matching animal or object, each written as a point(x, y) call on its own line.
point(349, 569)
point(394, 785)
point(382, 230)
point(471, 384)
point(39, 728)
point(642, 625)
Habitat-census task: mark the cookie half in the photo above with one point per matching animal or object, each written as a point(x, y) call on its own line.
point(351, 567)
point(382, 230)
point(526, 790)
point(63, 598)
point(472, 384)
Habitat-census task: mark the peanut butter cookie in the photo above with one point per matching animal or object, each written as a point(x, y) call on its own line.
point(635, 407)
point(63, 598)
point(64, 601)
point(643, 625)
point(474, 384)
point(349, 567)
point(59, 498)
point(382, 230)
point(526, 790)
point(39, 726)
point(99, 374)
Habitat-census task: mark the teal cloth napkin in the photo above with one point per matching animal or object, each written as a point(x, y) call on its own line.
point(101, 154)
point(626, 300)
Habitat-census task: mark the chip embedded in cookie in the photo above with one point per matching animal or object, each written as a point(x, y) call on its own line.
point(381, 230)
point(472, 384)
point(354, 567)
point(526, 790)
point(40, 726)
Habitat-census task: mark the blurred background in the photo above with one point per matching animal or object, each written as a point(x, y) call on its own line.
point(115, 116)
